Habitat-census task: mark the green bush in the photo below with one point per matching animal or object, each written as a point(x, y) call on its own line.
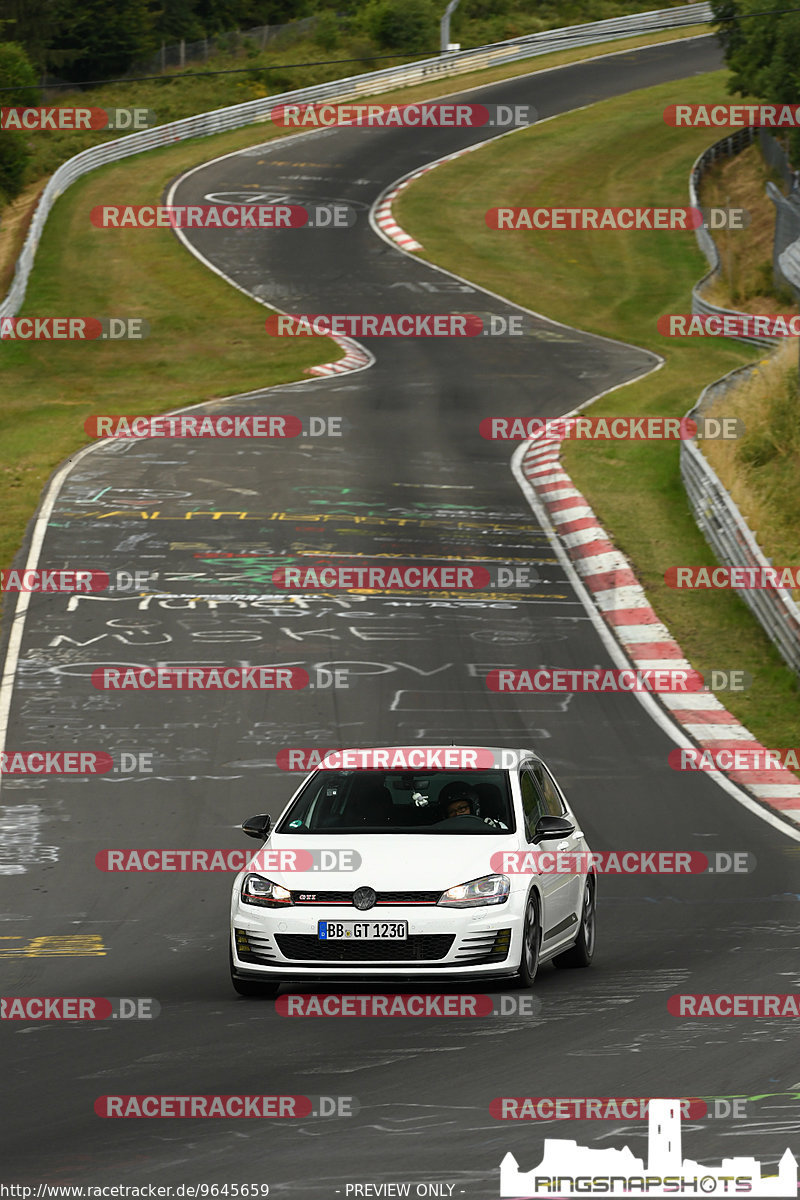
point(16, 73)
point(327, 30)
point(408, 25)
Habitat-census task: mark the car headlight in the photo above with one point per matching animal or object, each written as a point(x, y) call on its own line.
point(263, 892)
point(490, 889)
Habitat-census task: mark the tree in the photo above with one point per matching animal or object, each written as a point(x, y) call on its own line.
point(408, 25)
point(17, 75)
point(96, 40)
point(29, 23)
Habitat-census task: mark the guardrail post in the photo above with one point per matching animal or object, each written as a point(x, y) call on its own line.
point(444, 26)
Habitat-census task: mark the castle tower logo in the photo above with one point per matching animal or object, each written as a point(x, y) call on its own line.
point(568, 1169)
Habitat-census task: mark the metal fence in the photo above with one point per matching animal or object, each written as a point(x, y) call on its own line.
point(718, 518)
point(734, 143)
point(177, 54)
point(253, 111)
point(730, 537)
point(787, 231)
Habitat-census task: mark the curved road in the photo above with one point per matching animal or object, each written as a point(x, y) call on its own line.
point(409, 477)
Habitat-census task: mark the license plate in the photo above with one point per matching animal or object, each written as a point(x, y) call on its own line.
point(364, 931)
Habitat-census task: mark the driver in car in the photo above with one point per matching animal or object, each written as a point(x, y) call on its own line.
point(461, 800)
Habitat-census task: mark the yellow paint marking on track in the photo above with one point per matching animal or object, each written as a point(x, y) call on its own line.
point(75, 945)
point(355, 518)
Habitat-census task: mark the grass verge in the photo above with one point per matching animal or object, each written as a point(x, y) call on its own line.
point(617, 284)
point(762, 469)
point(744, 281)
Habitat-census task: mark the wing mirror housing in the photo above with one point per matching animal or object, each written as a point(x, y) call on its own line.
point(257, 827)
point(548, 828)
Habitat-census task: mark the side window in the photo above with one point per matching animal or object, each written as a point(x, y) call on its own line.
point(554, 807)
point(532, 801)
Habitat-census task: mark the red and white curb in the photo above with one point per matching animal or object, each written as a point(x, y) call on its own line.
point(355, 357)
point(623, 605)
point(385, 220)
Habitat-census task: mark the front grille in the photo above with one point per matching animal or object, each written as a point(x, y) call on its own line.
point(418, 947)
point(430, 898)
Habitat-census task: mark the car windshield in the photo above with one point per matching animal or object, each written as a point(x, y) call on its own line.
point(397, 802)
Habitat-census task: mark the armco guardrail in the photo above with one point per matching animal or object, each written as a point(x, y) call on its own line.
point(727, 146)
point(718, 518)
point(252, 111)
point(731, 539)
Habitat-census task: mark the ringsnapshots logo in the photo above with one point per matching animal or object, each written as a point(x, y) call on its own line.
point(73, 329)
point(78, 1008)
point(156, 861)
point(223, 216)
point(30, 120)
point(395, 1004)
point(611, 429)
point(567, 1169)
point(404, 116)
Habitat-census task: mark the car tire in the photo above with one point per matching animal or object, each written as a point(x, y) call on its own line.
point(253, 987)
point(582, 953)
point(531, 945)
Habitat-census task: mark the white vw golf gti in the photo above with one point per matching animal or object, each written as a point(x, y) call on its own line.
point(384, 866)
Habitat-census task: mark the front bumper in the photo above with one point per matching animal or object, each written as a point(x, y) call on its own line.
point(442, 943)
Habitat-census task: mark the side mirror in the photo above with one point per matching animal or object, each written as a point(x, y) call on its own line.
point(257, 827)
point(548, 828)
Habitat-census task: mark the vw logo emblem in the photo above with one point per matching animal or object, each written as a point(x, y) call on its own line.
point(364, 898)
